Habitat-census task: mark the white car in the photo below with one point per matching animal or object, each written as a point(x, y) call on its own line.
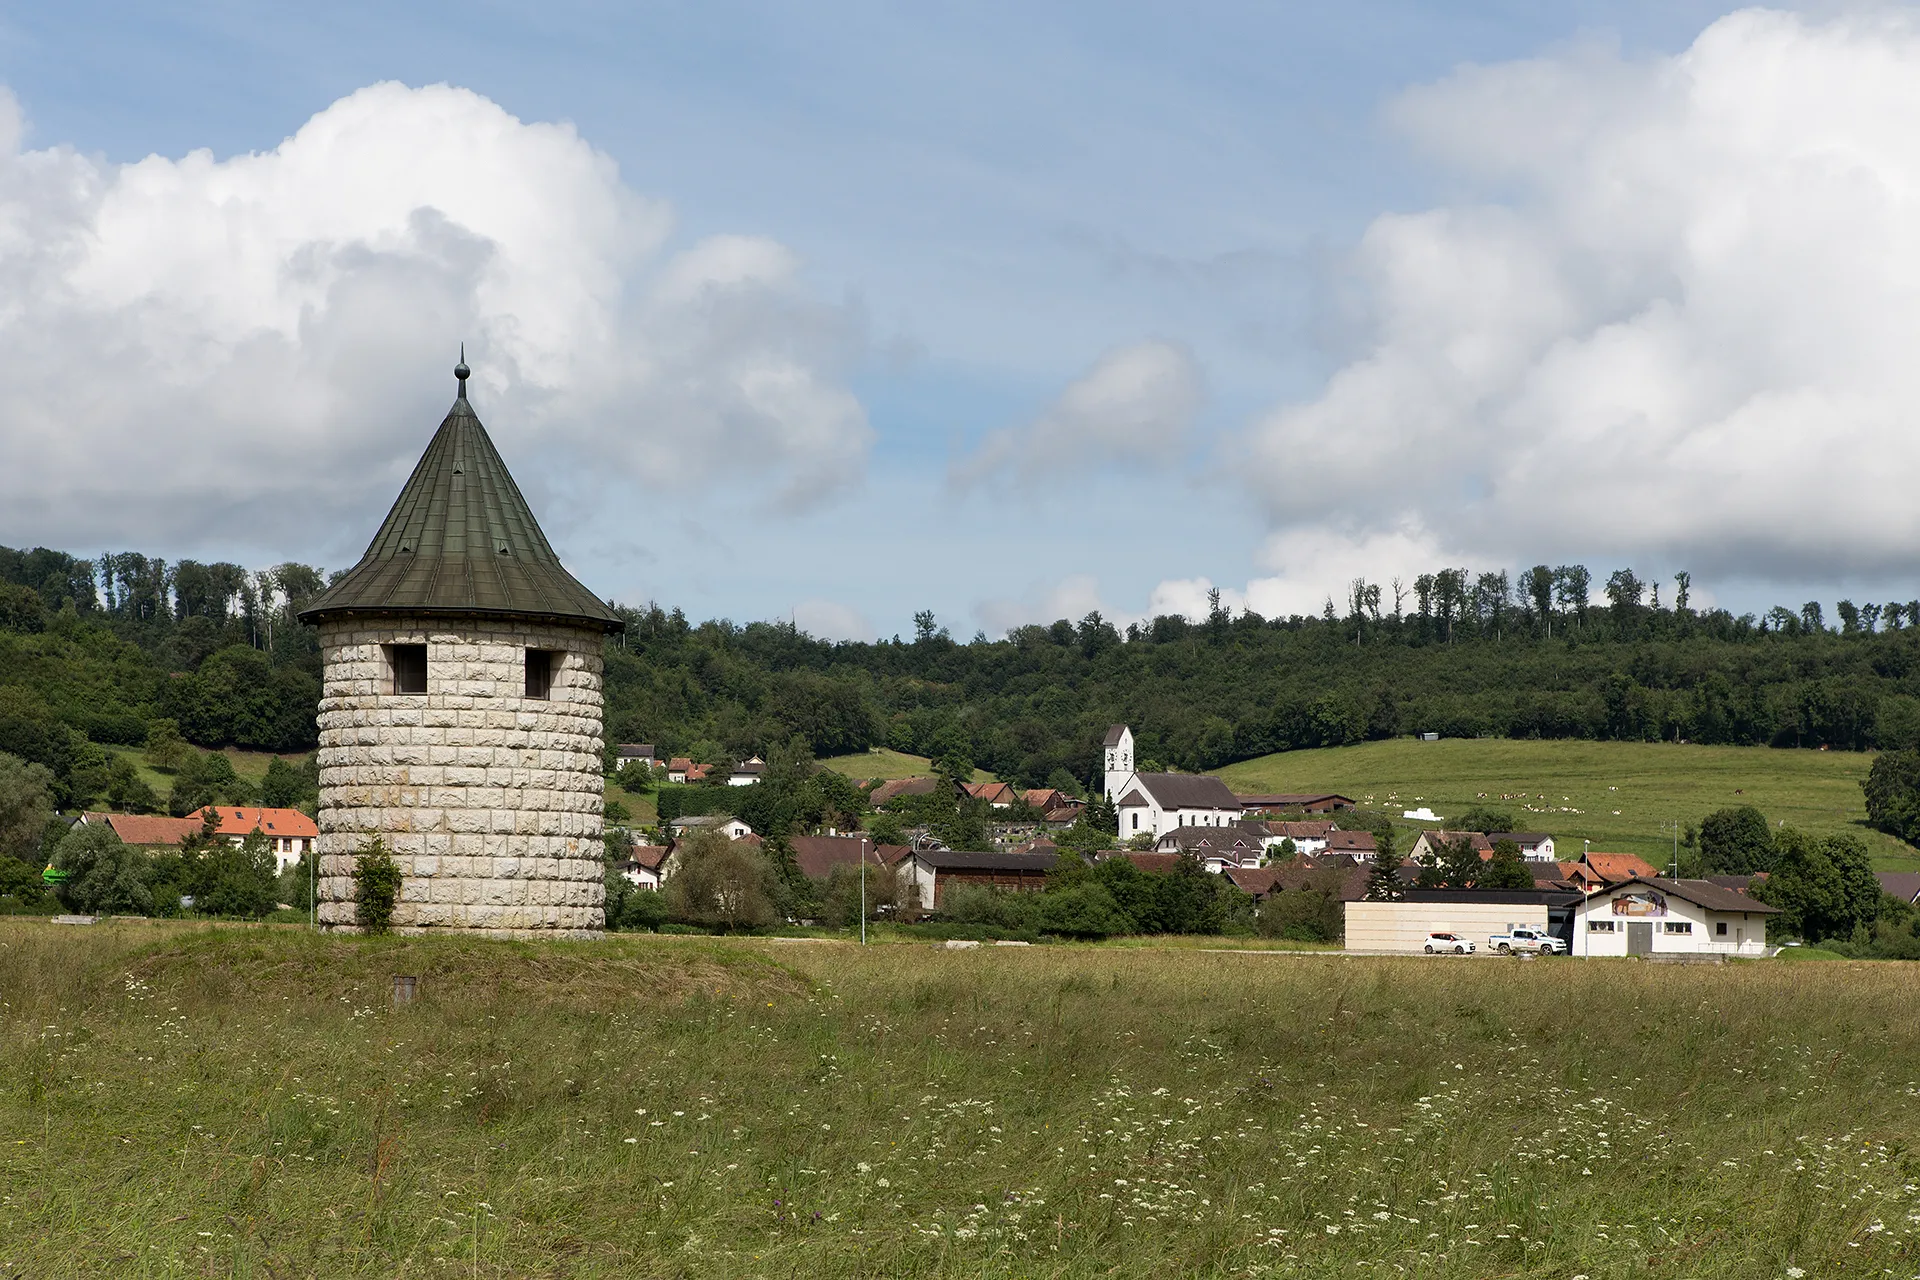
point(1525, 938)
point(1451, 943)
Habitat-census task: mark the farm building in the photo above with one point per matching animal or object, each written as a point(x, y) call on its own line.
point(1656, 916)
point(1475, 913)
point(928, 874)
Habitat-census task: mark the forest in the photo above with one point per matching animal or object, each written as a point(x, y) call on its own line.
point(104, 652)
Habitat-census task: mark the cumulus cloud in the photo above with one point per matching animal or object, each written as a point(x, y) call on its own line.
point(1137, 403)
point(1678, 324)
point(197, 350)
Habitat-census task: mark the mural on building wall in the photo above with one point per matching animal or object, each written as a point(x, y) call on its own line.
point(1640, 904)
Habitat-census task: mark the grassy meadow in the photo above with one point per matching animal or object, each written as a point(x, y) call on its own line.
point(883, 762)
point(217, 1101)
point(1622, 796)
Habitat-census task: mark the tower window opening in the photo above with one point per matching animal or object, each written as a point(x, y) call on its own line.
point(408, 665)
point(540, 664)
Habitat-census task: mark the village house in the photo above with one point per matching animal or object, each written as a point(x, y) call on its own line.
point(748, 772)
point(645, 866)
point(635, 753)
point(817, 856)
point(928, 875)
point(1307, 837)
point(731, 828)
point(1652, 916)
point(678, 768)
point(998, 795)
point(1240, 844)
point(290, 834)
point(882, 792)
point(1535, 846)
point(1904, 885)
point(1596, 871)
point(1427, 848)
point(1303, 801)
point(1358, 845)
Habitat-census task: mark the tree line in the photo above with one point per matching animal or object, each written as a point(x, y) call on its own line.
point(96, 652)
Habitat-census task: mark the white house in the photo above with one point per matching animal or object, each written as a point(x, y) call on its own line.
point(1535, 846)
point(1119, 751)
point(747, 772)
point(731, 828)
point(645, 866)
point(1163, 802)
point(1656, 916)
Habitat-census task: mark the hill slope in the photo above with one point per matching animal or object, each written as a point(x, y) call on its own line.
point(1622, 796)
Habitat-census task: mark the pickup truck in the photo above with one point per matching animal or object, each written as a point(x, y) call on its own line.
point(1526, 939)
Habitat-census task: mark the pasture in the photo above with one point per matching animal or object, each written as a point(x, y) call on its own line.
point(226, 1101)
point(1622, 796)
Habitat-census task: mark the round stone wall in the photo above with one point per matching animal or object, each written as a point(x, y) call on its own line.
point(491, 801)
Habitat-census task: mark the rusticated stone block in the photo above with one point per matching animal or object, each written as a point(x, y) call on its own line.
point(489, 800)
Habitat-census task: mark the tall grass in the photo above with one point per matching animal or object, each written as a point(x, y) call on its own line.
point(178, 1101)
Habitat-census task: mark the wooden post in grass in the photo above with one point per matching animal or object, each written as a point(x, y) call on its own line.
point(405, 987)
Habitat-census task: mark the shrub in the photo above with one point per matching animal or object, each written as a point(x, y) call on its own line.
point(376, 887)
point(1893, 794)
point(721, 884)
point(1737, 841)
point(104, 876)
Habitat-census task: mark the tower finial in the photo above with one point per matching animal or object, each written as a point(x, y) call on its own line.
point(461, 371)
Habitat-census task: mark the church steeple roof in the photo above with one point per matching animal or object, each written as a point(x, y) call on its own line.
point(461, 540)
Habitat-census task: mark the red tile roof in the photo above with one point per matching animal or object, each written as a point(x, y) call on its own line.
point(147, 829)
point(649, 856)
point(901, 787)
point(1615, 867)
point(272, 822)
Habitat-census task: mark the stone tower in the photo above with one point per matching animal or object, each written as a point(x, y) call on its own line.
point(460, 709)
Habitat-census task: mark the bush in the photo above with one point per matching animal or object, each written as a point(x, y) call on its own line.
point(1737, 841)
point(237, 880)
point(376, 887)
point(631, 908)
point(1893, 794)
point(1311, 913)
point(104, 876)
point(721, 884)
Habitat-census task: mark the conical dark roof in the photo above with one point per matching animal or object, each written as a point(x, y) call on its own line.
point(461, 540)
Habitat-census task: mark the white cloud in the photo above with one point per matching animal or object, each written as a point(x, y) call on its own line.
point(198, 351)
point(1136, 404)
point(830, 620)
point(1680, 325)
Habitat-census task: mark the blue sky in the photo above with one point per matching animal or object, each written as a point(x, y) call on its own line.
point(984, 202)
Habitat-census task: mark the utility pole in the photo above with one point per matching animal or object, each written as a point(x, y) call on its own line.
point(863, 893)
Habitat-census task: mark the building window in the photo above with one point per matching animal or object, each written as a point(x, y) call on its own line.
point(1136, 822)
point(540, 664)
point(407, 663)
point(1720, 928)
point(1599, 926)
point(1679, 926)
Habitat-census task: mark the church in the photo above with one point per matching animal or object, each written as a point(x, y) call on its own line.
point(1159, 803)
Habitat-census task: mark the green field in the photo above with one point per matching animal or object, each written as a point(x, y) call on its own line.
point(1622, 796)
point(881, 762)
point(181, 1101)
